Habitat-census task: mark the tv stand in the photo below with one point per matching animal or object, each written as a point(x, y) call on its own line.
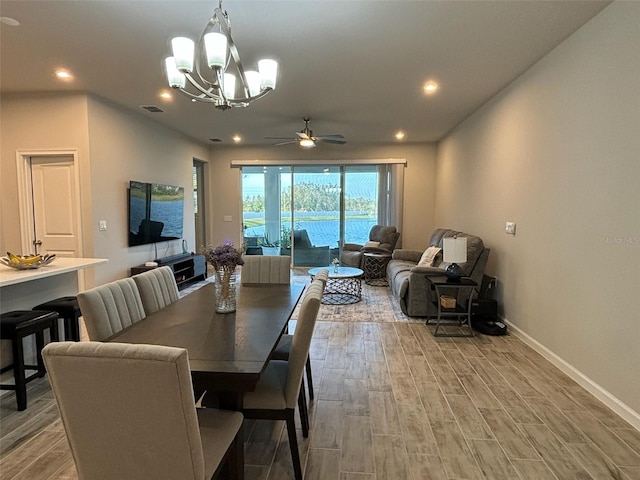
point(187, 268)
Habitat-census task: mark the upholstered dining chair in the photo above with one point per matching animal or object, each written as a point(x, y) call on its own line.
point(157, 287)
point(258, 269)
point(129, 413)
point(283, 349)
point(109, 308)
point(279, 387)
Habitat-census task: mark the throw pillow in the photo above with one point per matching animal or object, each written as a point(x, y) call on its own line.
point(429, 256)
point(371, 244)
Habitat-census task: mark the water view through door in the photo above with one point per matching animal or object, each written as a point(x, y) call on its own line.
point(308, 212)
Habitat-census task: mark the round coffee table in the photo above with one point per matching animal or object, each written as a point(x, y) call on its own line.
point(344, 286)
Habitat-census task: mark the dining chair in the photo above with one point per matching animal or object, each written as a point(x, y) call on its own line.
point(109, 308)
point(129, 413)
point(260, 269)
point(157, 287)
point(283, 349)
point(279, 387)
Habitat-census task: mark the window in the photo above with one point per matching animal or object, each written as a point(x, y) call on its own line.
point(316, 208)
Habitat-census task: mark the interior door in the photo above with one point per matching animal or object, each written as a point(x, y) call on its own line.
point(55, 212)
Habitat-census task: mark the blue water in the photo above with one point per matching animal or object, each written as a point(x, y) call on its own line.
point(168, 212)
point(322, 232)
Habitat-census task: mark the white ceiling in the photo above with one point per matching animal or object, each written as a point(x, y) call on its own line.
point(355, 67)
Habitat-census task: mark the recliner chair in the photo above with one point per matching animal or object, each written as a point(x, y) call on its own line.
point(386, 238)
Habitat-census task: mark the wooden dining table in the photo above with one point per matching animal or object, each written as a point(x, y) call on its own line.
point(227, 351)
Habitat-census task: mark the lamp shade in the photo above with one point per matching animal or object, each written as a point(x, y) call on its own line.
point(229, 85)
point(183, 49)
point(175, 78)
point(215, 45)
point(268, 72)
point(455, 249)
point(253, 81)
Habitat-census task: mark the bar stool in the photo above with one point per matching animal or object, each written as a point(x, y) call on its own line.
point(69, 310)
point(15, 326)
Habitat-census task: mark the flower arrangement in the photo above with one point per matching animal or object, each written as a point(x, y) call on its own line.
point(224, 256)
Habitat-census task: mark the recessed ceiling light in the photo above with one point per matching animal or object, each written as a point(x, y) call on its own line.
point(166, 95)
point(400, 135)
point(63, 74)
point(430, 87)
point(237, 138)
point(12, 22)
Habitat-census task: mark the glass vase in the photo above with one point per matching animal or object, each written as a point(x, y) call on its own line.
point(225, 290)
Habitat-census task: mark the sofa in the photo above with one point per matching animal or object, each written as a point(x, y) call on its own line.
point(408, 281)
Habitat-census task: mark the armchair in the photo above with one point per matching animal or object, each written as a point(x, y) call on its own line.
point(306, 254)
point(385, 237)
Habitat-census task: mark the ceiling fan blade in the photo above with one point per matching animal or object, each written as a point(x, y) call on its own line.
point(303, 136)
point(279, 138)
point(285, 143)
point(338, 139)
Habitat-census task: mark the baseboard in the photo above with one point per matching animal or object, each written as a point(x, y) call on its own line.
point(621, 408)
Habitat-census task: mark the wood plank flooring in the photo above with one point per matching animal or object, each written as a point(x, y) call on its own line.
point(392, 403)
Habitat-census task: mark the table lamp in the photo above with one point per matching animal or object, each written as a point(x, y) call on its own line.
point(455, 251)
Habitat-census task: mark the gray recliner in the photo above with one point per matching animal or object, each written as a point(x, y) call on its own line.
point(387, 238)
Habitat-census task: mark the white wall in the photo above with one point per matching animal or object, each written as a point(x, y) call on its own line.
point(114, 146)
point(557, 152)
point(419, 184)
point(125, 147)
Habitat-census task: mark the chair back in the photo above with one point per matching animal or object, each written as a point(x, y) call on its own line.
point(157, 287)
point(387, 236)
point(260, 269)
point(302, 341)
point(128, 410)
point(322, 276)
point(109, 308)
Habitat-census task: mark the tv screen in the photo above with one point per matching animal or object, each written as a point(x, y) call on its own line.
point(156, 212)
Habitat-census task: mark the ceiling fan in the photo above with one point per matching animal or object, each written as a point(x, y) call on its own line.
point(306, 139)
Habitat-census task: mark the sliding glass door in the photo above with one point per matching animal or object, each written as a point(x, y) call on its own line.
point(309, 212)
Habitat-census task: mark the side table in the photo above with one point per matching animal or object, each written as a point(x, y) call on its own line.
point(460, 314)
point(375, 269)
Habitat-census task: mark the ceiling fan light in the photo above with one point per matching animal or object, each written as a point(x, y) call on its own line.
point(307, 143)
point(229, 85)
point(253, 81)
point(268, 73)
point(175, 78)
point(183, 49)
point(215, 45)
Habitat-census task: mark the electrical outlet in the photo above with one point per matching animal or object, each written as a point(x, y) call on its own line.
point(510, 228)
point(103, 225)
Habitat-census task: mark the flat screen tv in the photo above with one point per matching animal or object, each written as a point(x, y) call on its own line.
point(156, 212)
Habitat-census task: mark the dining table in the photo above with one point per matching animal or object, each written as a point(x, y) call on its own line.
point(227, 351)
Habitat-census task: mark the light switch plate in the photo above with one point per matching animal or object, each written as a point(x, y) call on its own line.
point(227, 218)
point(510, 228)
point(103, 225)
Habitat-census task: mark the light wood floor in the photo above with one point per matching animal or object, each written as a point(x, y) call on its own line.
point(394, 403)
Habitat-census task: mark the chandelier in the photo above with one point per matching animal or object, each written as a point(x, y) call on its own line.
point(187, 69)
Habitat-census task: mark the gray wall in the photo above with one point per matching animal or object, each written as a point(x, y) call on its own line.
point(557, 153)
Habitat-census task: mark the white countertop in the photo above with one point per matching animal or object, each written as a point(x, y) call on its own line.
point(11, 276)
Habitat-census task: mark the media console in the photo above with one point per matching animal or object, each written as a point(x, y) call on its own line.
point(186, 268)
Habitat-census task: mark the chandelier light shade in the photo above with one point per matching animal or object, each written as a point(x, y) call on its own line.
point(211, 71)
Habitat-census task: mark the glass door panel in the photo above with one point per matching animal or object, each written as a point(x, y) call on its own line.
point(360, 202)
point(316, 215)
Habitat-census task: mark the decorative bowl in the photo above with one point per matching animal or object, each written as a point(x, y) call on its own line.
point(27, 262)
